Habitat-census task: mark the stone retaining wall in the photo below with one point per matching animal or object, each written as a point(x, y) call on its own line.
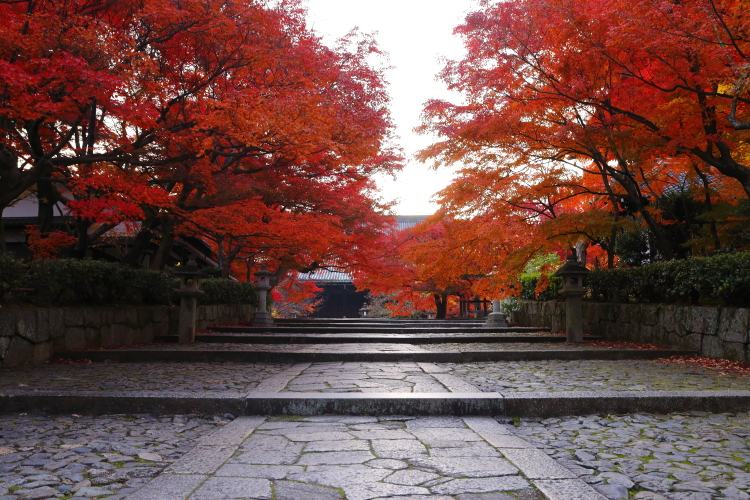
point(716, 332)
point(30, 335)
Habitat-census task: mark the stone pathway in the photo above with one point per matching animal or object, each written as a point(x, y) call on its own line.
point(503, 377)
point(591, 375)
point(163, 376)
point(366, 458)
point(67, 456)
point(693, 456)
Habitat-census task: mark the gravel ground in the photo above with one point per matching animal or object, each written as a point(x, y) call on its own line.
point(44, 457)
point(693, 456)
point(156, 376)
point(626, 375)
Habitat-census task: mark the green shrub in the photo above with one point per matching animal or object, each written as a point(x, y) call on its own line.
point(724, 278)
point(225, 291)
point(12, 274)
point(67, 282)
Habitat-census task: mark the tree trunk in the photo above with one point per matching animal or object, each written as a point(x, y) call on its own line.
point(82, 239)
point(165, 246)
point(441, 305)
point(3, 246)
point(660, 239)
point(46, 195)
point(134, 257)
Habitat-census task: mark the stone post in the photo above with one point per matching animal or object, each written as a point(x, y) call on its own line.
point(188, 293)
point(496, 319)
point(572, 273)
point(262, 316)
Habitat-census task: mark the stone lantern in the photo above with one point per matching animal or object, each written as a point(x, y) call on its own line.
point(188, 293)
point(262, 316)
point(496, 319)
point(572, 273)
point(364, 311)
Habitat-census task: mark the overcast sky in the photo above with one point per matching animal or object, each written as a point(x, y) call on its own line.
point(415, 34)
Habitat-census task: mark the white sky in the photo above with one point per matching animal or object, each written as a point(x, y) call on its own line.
point(415, 34)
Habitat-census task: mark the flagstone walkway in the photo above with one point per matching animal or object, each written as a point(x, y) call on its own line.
point(645, 456)
point(241, 378)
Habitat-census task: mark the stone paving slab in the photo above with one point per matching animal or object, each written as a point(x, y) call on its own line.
point(589, 375)
point(680, 456)
point(45, 456)
point(198, 377)
point(406, 377)
point(345, 458)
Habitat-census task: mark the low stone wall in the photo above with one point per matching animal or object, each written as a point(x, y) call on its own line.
point(716, 332)
point(30, 335)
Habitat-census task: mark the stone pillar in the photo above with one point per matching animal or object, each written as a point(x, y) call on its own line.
point(496, 319)
point(188, 293)
point(262, 317)
point(572, 273)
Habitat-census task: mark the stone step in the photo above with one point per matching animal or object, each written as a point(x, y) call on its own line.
point(336, 321)
point(542, 405)
point(367, 338)
point(404, 330)
point(249, 356)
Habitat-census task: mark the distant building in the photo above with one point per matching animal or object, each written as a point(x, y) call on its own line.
point(114, 243)
point(340, 298)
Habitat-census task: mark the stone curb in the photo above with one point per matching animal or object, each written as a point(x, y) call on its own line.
point(117, 403)
point(145, 356)
point(185, 475)
point(370, 403)
point(542, 405)
point(559, 404)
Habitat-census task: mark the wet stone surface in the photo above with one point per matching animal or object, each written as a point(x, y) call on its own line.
point(364, 377)
point(555, 376)
point(693, 456)
point(365, 458)
point(155, 376)
point(66, 456)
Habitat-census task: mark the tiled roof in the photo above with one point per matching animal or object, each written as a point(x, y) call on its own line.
point(407, 221)
point(325, 276)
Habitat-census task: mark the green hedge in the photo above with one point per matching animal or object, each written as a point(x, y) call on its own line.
point(224, 291)
point(67, 282)
point(724, 278)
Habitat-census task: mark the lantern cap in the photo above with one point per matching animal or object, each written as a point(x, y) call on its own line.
point(263, 272)
point(572, 266)
point(190, 269)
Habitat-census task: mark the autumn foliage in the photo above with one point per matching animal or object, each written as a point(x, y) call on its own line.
point(226, 120)
point(618, 128)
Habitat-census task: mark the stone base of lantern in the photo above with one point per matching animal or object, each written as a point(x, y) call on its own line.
point(495, 320)
point(263, 319)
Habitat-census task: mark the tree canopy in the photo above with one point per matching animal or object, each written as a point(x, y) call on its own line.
point(622, 125)
point(228, 120)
